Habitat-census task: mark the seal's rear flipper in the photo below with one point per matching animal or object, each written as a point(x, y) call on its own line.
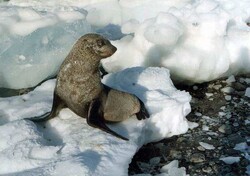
point(41, 118)
point(96, 120)
point(143, 113)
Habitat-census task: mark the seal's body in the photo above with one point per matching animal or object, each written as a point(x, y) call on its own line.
point(78, 81)
point(79, 87)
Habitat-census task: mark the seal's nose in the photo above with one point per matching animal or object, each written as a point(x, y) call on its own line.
point(114, 49)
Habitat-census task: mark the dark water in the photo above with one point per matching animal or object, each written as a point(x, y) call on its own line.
point(4, 92)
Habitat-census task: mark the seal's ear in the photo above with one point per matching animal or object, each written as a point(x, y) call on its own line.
point(85, 40)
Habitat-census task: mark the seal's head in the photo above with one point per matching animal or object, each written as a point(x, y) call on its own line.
point(97, 44)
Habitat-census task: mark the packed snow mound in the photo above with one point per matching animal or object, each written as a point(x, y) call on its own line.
point(104, 12)
point(154, 87)
point(197, 41)
point(66, 145)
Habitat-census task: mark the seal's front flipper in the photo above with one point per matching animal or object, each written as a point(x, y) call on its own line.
point(96, 120)
point(58, 104)
point(41, 118)
point(143, 113)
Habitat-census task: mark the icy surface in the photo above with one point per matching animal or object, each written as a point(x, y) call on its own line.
point(241, 146)
point(154, 87)
point(230, 159)
point(247, 93)
point(197, 40)
point(230, 79)
point(170, 169)
point(207, 146)
point(66, 145)
point(34, 43)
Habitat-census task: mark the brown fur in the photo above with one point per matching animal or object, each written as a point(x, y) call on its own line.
point(79, 83)
point(120, 106)
point(79, 87)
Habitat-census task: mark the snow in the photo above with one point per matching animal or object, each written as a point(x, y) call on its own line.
point(247, 93)
point(172, 169)
point(197, 41)
point(145, 84)
point(241, 146)
point(247, 80)
point(209, 94)
point(228, 97)
point(198, 114)
point(197, 47)
point(155, 160)
point(230, 159)
point(66, 145)
point(227, 90)
point(205, 128)
point(192, 125)
point(35, 43)
point(230, 79)
point(207, 146)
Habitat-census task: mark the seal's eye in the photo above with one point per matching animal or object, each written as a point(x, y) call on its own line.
point(100, 43)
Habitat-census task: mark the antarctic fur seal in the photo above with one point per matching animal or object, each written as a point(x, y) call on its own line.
point(79, 87)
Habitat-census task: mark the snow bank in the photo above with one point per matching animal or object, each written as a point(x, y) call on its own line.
point(66, 145)
point(104, 12)
point(35, 43)
point(154, 87)
point(197, 40)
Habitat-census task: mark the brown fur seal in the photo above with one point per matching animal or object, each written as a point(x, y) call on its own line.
point(79, 87)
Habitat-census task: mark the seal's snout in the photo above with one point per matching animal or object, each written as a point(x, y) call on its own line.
point(108, 51)
point(114, 49)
